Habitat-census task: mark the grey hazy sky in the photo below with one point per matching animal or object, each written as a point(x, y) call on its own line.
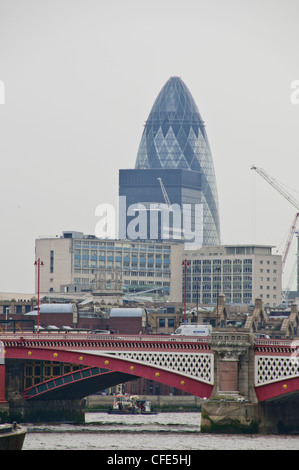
point(80, 79)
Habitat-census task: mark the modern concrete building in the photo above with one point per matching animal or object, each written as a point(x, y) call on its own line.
point(241, 272)
point(76, 263)
point(174, 147)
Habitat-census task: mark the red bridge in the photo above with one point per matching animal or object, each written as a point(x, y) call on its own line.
point(186, 364)
point(229, 364)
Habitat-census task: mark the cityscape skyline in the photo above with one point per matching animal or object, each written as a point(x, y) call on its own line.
point(79, 80)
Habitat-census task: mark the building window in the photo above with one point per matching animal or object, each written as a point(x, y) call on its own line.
point(52, 261)
point(161, 322)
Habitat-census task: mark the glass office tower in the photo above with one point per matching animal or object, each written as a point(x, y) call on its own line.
point(180, 220)
point(174, 140)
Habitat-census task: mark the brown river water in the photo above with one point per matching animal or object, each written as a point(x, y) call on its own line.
point(164, 431)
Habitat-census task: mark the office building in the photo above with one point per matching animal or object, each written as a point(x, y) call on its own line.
point(180, 221)
point(174, 166)
point(76, 263)
point(241, 272)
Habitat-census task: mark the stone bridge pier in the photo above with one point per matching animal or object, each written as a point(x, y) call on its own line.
point(13, 406)
point(233, 406)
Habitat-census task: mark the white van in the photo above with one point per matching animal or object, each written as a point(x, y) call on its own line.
point(193, 330)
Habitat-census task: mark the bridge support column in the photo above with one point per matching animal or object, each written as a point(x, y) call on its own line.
point(232, 406)
point(2, 374)
point(51, 411)
point(21, 410)
point(2, 383)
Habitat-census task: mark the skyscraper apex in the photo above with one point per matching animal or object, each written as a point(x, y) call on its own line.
point(174, 135)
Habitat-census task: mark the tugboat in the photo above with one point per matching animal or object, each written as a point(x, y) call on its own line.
point(130, 404)
point(12, 436)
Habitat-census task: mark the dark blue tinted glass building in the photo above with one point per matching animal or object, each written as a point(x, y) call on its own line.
point(174, 138)
point(146, 212)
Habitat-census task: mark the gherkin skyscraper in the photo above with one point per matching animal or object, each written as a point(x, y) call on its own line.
point(174, 150)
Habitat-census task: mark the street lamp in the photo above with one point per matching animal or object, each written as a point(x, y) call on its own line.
point(38, 263)
point(218, 271)
point(185, 264)
point(6, 317)
point(197, 301)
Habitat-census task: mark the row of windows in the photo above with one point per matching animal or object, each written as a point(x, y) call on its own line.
point(235, 297)
point(118, 255)
point(268, 271)
point(267, 297)
point(151, 283)
point(117, 264)
point(11, 309)
point(216, 288)
point(147, 274)
point(205, 285)
point(129, 273)
point(219, 262)
point(225, 269)
point(87, 280)
point(218, 279)
point(100, 245)
point(163, 321)
point(226, 263)
point(38, 371)
point(267, 287)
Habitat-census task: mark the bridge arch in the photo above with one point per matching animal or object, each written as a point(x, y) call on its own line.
point(193, 373)
point(281, 390)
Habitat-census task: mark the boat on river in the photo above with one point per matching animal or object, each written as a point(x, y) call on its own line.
point(130, 404)
point(12, 436)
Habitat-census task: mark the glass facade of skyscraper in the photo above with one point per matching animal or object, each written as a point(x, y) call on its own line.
point(181, 221)
point(174, 137)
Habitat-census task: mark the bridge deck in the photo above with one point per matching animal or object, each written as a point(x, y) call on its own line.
point(180, 361)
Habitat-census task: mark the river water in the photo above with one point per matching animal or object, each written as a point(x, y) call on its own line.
point(164, 431)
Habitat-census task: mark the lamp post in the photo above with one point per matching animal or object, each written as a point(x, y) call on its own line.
point(38, 263)
point(6, 317)
point(197, 302)
point(218, 271)
point(185, 264)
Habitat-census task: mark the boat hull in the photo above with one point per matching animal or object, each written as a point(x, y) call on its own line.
point(12, 437)
point(127, 412)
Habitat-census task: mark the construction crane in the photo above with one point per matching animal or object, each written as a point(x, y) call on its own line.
point(277, 186)
point(289, 241)
point(164, 191)
point(285, 294)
